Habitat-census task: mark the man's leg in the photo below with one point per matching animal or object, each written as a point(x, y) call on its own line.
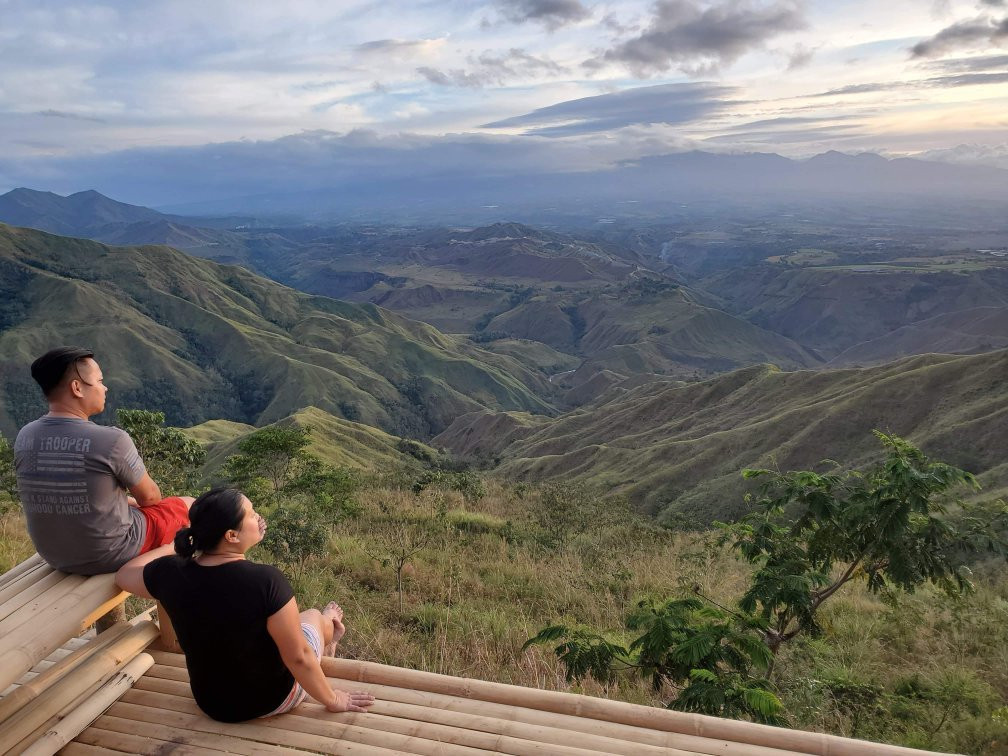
point(164, 520)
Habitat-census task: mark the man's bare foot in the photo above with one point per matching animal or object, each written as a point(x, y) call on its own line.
point(334, 613)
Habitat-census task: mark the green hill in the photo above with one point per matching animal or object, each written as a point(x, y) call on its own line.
point(333, 439)
point(676, 450)
point(831, 309)
point(202, 340)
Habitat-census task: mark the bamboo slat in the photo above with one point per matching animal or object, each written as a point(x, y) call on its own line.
point(287, 725)
point(26, 612)
point(19, 569)
point(100, 611)
point(139, 744)
point(437, 731)
point(151, 726)
point(627, 733)
point(27, 587)
point(437, 702)
point(184, 714)
point(86, 676)
point(30, 690)
point(71, 725)
point(82, 749)
point(50, 627)
point(615, 711)
point(165, 679)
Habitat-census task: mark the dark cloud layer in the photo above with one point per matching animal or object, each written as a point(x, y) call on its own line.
point(976, 63)
point(551, 13)
point(666, 103)
point(978, 33)
point(695, 38)
point(493, 70)
point(72, 116)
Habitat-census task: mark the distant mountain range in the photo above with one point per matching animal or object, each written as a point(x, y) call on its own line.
point(202, 341)
point(677, 449)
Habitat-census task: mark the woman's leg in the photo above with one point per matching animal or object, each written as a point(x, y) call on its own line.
point(323, 624)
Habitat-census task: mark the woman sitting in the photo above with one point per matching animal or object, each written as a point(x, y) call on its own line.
point(250, 653)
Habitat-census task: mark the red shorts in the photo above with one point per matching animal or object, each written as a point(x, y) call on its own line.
point(164, 520)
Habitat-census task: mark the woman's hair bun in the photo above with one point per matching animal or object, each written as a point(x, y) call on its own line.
point(185, 543)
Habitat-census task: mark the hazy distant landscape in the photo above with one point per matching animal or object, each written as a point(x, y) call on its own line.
point(488, 306)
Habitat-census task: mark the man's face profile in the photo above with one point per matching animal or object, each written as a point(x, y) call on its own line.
point(87, 383)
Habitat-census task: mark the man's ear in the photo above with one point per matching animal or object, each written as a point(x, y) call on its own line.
point(75, 388)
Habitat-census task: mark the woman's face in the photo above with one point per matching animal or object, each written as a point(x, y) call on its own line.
point(252, 527)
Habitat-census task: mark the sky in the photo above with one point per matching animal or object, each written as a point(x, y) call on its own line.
point(90, 88)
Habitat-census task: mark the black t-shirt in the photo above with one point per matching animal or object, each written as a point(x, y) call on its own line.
point(219, 614)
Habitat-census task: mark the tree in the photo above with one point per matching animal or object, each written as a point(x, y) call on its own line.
point(275, 455)
point(889, 527)
point(8, 479)
point(712, 657)
point(405, 525)
point(172, 458)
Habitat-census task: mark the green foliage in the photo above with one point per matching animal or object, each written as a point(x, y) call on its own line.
point(813, 533)
point(582, 652)
point(566, 511)
point(709, 655)
point(275, 455)
point(8, 479)
point(467, 483)
point(294, 535)
point(171, 457)
point(409, 523)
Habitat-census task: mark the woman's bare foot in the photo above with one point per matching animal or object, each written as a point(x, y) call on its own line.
point(334, 613)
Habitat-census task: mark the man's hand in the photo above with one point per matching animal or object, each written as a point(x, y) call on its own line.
point(356, 701)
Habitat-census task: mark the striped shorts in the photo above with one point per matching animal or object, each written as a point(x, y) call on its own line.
point(299, 694)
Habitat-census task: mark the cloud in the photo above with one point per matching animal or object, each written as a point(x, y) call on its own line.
point(793, 121)
point(977, 33)
point(952, 80)
point(455, 78)
point(665, 103)
point(493, 70)
point(550, 13)
point(693, 37)
point(967, 80)
point(800, 57)
point(399, 48)
point(72, 116)
point(976, 63)
point(851, 89)
point(791, 136)
point(994, 3)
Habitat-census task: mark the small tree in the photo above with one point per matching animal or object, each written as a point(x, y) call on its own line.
point(295, 535)
point(404, 526)
point(273, 454)
point(8, 479)
point(172, 458)
point(889, 527)
point(710, 656)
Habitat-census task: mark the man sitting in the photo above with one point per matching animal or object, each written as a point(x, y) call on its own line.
point(73, 476)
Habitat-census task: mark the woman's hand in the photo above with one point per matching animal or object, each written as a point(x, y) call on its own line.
point(356, 701)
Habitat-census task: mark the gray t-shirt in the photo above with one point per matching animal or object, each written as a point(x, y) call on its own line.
point(72, 479)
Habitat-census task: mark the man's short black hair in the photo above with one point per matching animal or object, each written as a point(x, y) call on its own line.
point(49, 369)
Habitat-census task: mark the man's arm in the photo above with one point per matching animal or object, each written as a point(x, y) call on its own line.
point(130, 575)
point(146, 491)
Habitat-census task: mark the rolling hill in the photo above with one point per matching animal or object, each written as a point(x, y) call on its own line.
point(202, 341)
point(676, 450)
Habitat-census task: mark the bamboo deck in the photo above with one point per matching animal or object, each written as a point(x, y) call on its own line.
point(423, 713)
point(112, 694)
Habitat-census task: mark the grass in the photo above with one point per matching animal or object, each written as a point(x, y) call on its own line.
point(490, 579)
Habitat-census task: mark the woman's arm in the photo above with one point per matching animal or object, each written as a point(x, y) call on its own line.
point(130, 575)
point(284, 626)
